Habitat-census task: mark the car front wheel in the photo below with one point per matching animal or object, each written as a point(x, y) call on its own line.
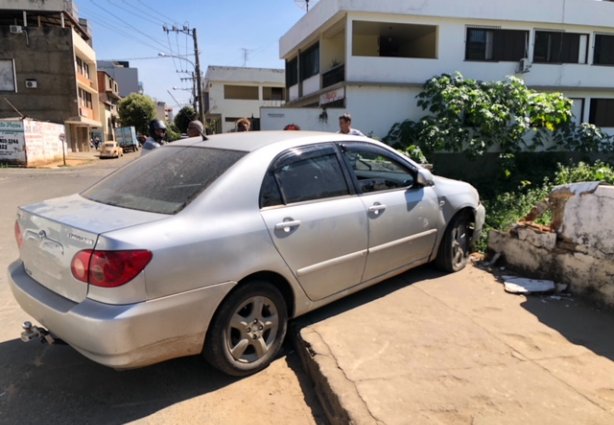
point(455, 246)
point(248, 329)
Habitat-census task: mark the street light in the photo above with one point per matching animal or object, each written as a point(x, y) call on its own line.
point(199, 90)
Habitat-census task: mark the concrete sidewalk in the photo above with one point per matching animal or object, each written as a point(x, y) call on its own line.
point(74, 159)
point(427, 348)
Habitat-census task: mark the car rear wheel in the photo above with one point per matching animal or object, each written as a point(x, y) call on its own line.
point(247, 330)
point(455, 247)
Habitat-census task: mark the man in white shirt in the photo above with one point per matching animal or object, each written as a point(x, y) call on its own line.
point(345, 126)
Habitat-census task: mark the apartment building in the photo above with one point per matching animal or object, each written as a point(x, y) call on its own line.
point(108, 90)
point(127, 78)
point(372, 58)
point(236, 92)
point(48, 67)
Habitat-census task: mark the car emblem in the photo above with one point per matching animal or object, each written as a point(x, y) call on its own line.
point(42, 235)
point(79, 238)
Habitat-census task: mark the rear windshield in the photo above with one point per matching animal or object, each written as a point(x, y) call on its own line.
point(165, 180)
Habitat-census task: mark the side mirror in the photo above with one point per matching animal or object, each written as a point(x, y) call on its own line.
point(425, 178)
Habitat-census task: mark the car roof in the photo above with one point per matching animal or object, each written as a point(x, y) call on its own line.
point(249, 141)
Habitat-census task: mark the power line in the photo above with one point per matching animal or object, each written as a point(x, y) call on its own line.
point(132, 12)
point(146, 10)
point(171, 94)
point(126, 22)
point(101, 21)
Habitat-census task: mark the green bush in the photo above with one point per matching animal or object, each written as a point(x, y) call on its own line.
point(583, 172)
point(471, 116)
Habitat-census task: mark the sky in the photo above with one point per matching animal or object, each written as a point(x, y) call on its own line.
point(229, 32)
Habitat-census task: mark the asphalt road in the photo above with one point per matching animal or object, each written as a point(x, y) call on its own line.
point(56, 385)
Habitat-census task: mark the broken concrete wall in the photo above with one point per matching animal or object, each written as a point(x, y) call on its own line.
point(579, 247)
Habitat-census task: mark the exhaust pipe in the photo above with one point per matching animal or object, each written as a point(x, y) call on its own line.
point(31, 332)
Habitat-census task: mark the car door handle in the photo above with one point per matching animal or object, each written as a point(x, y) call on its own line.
point(377, 208)
point(287, 225)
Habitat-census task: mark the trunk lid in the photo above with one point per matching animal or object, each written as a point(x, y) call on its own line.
point(56, 229)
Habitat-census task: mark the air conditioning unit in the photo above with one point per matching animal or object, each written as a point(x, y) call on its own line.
point(524, 65)
point(16, 29)
point(31, 84)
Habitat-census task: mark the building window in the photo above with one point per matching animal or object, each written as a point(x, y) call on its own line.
point(240, 92)
point(387, 39)
point(602, 112)
point(7, 75)
point(85, 99)
point(560, 47)
point(83, 68)
point(291, 72)
point(310, 62)
point(577, 110)
point(604, 50)
point(273, 93)
point(486, 44)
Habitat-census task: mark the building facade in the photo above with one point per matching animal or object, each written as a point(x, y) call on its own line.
point(127, 78)
point(372, 58)
point(108, 90)
point(237, 92)
point(48, 67)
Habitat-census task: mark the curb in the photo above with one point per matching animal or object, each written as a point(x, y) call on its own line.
point(338, 396)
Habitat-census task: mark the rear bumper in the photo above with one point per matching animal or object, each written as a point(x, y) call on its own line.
point(122, 336)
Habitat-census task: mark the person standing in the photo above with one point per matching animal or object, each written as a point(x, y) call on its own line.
point(345, 126)
point(244, 124)
point(157, 133)
point(195, 128)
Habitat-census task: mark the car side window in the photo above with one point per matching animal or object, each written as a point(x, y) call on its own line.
point(304, 176)
point(269, 192)
point(375, 169)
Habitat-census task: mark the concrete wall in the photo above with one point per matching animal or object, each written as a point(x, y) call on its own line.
point(46, 56)
point(40, 5)
point(28, 143)
point(578, 250)
point(305, 118)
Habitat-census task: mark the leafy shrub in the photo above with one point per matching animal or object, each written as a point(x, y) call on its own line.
point(599, 171)
point(472, 116)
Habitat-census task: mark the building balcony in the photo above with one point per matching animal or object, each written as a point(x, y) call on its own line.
point(333, 76)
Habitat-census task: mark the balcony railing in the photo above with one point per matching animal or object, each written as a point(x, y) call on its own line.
point(333, 76)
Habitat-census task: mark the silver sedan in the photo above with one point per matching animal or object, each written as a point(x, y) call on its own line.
point(210, 246)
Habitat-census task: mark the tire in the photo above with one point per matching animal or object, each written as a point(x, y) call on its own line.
point(455, 246)
point(248, 329)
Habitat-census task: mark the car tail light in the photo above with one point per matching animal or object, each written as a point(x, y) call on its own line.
point(18, 235)
point(109, 269)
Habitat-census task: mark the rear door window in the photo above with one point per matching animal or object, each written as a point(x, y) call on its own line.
point(165, 180)
point(304, 175)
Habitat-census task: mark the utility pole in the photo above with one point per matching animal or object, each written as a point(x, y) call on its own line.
point(198, 76)
point(201, 102)
point(194, 99)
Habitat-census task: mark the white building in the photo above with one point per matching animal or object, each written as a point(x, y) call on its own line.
point(372, 58)
point(237, 92)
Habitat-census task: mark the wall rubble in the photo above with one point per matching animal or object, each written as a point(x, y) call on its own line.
point(577, 249)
